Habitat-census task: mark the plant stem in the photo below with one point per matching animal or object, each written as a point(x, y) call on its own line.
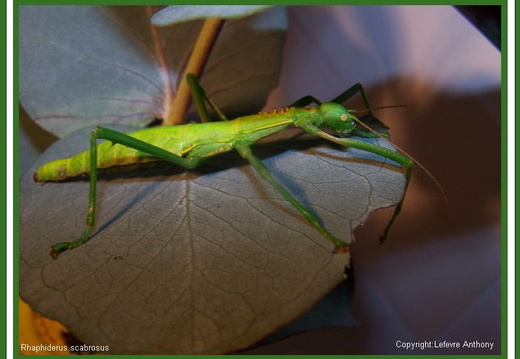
point(198, 58)
point(169, 91)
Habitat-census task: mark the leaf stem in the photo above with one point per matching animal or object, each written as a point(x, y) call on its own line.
point(198, 58)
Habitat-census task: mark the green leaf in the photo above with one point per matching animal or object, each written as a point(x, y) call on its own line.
point(175, 14)
point(195, 262)
point(87, 65)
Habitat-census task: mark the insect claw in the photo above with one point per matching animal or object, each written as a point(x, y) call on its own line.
point(58, 248)
point(55, 252)
point(341, 248)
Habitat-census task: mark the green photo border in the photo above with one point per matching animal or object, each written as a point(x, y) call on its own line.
point(3, 176)
point(504, 154)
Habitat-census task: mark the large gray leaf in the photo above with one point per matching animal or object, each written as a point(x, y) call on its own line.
point(85, 65)
point(195, 262)
point(176, 13)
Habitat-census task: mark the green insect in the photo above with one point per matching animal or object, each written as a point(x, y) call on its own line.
point(189, 145)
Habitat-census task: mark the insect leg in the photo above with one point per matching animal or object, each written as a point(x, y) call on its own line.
point(344, 96)
point(305, 101)
point(265, 173)
point(370, 120)
point(403, 160)
point(123, 139)
point(200, 98)
point(57, 248)
point(351, 92)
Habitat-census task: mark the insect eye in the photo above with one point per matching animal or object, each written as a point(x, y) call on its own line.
point(343, 117)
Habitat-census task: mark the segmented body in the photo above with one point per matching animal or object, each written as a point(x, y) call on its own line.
point(194, 139)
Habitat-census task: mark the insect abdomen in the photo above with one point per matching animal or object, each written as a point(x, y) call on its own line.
point(54, 171)
point(108, 156)
point(178, 140)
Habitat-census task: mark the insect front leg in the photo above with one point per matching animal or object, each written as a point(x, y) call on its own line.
point(265, 173)
point(403, 160)
point(125, 140)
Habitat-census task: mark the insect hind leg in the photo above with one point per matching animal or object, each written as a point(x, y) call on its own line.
point(128, 141)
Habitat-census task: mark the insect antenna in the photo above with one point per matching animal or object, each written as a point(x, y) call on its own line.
point(377, 108)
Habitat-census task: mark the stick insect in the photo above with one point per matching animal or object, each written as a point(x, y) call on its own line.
point(190, 145)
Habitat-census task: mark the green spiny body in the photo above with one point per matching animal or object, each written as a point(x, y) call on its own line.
point(183, 140)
